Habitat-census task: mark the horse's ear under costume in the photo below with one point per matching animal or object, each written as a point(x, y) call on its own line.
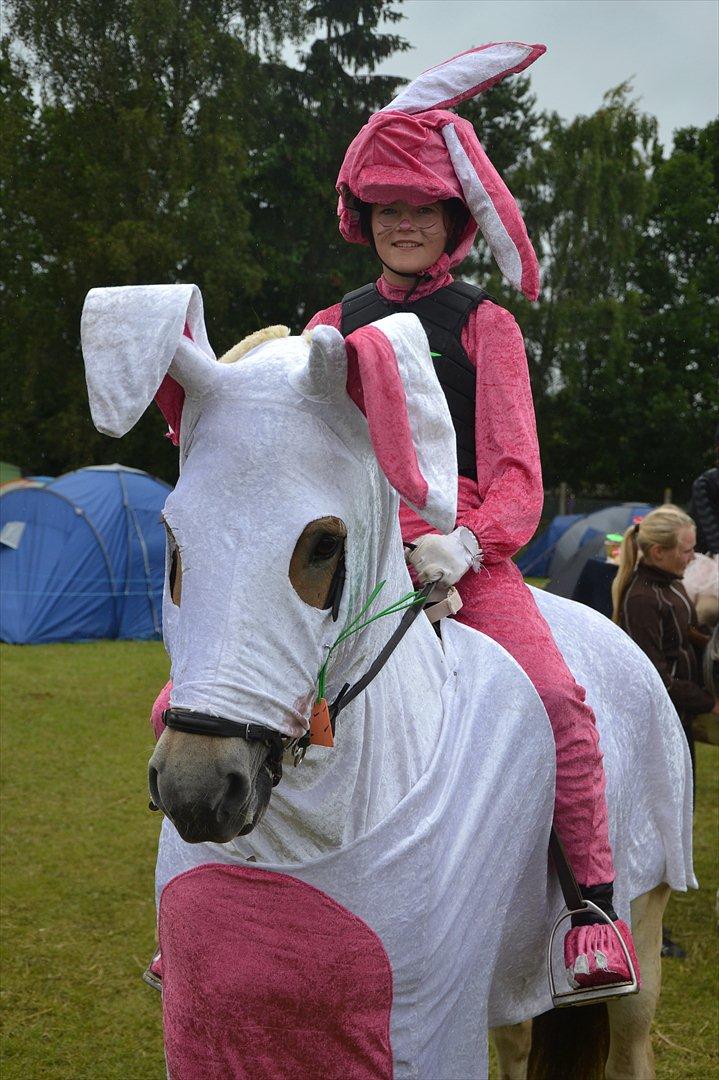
point(388, 371)
point(417, 151)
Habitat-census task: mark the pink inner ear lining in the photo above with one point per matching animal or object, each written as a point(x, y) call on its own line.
point(371, 355)
point(170, 398)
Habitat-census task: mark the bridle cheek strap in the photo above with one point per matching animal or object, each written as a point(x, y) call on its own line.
point(197, 723)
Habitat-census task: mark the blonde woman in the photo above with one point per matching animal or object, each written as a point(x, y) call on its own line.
point(651, 604)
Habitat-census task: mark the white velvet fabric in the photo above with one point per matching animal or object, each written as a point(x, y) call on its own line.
point(436, 876)
point(459, 77)
point(483, 210)
point(129, 337)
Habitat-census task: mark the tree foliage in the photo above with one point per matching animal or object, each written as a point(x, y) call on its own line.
point(170, 140)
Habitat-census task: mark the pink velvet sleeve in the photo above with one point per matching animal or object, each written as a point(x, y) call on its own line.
point(509, 478)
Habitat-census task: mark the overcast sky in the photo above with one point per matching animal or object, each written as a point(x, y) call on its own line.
point(669, 47)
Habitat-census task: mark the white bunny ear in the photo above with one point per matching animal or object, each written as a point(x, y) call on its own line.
point(464, 76)
point(407, 414)
point(132, 337)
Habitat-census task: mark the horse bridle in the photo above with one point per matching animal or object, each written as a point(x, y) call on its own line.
point(197, 723)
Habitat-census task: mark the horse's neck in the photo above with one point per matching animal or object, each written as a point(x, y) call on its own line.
point(383, 744)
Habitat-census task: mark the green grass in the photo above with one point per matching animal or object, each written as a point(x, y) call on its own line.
point(79, 843)
point(77, 876)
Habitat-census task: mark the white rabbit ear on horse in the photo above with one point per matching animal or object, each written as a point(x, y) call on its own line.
point(392, 378)
point(464, 76)
point(137, 339)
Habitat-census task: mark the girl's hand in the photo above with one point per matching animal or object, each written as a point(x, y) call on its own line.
point(446, 559)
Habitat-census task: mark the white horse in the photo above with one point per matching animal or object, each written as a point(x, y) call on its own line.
point(391, 900)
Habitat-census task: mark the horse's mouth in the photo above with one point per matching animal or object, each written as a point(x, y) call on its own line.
point(202, 823)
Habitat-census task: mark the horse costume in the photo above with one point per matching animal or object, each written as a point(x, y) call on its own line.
point(367, 920)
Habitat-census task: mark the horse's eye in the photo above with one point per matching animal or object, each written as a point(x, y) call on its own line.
point(326, 547)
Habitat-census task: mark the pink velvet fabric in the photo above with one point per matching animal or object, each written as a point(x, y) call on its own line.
point(267, 978)
point(162, 702)
point(371, 357)
point(502, 508)
point(594, 957)
point(170, 399)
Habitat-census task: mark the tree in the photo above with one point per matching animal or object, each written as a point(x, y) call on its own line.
point(314, 112)
point(156, 127)
point(586, 188)
point(678, 274)
point(120, 152)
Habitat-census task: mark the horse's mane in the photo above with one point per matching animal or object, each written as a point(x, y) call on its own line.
point(252, 341)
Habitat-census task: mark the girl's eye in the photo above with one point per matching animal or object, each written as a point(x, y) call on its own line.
point(326, 547)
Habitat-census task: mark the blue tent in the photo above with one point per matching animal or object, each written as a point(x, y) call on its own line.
point(83, 557)
point(536, 557)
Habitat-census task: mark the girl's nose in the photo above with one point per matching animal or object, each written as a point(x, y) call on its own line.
point(405, 223)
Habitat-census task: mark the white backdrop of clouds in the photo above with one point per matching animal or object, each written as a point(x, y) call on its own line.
point(670, 49)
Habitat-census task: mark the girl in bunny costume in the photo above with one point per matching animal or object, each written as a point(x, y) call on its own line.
point(416, 185)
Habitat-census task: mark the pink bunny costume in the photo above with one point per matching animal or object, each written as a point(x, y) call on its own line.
point(416, 151)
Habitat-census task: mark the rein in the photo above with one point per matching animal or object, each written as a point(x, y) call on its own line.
point(197, 723)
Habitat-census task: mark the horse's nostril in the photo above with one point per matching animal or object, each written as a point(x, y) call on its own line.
point(153, 785)
point(237, 792)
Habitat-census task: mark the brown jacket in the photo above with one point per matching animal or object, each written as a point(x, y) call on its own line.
point(657, 614)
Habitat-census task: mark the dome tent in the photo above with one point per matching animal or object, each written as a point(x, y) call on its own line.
point(83, 557)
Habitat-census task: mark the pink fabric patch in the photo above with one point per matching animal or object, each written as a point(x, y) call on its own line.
point(385, 406)
point(162, 702)
point(266, 977)
point(596, 948)
point(170, 399)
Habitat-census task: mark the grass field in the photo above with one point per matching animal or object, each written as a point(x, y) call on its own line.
point(77, 876)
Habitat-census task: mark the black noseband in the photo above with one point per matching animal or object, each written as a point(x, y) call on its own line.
point(197, 723)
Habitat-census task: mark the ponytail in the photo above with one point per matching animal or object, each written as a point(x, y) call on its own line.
point(628, 558)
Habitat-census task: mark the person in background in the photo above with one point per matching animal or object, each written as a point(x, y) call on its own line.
point(704, 506)
point(652, 606)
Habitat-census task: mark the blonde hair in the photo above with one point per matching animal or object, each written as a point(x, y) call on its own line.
point(661, 526)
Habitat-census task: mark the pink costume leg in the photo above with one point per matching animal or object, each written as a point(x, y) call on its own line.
point(499, 604)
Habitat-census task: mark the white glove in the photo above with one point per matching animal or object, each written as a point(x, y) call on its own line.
point(446, 559)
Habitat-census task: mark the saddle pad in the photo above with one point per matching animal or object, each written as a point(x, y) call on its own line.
point(267, 977)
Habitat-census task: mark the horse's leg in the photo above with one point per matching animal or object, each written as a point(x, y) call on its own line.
point(630, 1018)
point(512, 1043)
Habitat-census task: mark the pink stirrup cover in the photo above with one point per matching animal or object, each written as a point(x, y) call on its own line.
point(265, 977)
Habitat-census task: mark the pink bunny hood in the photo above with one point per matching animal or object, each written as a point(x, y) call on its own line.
point(416, 150)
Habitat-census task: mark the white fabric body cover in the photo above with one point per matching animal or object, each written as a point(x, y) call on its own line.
point(430, 817)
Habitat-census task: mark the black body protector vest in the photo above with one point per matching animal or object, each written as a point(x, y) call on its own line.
point(443, 314)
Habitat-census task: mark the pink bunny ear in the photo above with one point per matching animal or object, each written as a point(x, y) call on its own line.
point(392, 379)
point(465, 75)
point(492, 206)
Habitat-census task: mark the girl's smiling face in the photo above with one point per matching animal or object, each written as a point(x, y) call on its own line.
point(409, 239)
